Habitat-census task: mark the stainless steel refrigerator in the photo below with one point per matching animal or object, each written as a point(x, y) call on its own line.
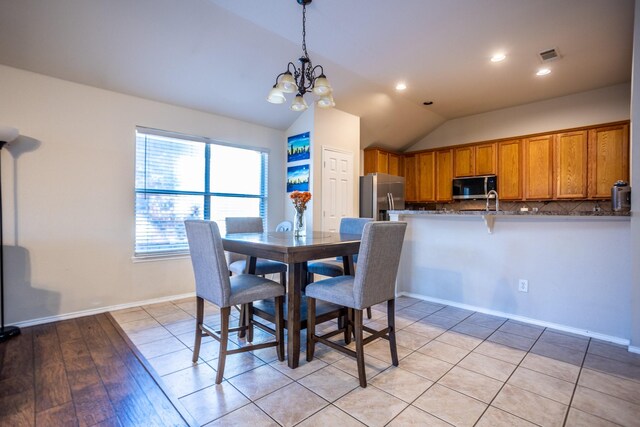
point(380, 193)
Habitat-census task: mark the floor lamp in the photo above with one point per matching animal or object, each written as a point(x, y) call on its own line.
point(7, 134)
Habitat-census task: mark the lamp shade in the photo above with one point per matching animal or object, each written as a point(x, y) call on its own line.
point(275, 96)
point(321, 86)
point(326, 102)
point(8, 134)
point(287, 83)
point(299, 104)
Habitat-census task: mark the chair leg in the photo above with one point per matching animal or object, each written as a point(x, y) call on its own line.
point(311, 328)
point(249, 321)
point(368, 312)
point(224, 338)
point(391, 316)
point(199, 320)
point(280, 327)
point(357, 314)
point(243, 316)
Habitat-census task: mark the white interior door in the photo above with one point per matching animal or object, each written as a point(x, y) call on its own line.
point(337, 187)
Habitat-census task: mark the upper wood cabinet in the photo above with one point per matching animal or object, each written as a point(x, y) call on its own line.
point(444, 175)
point(570, 165)
point(608, 154)
point(410, 183)
point(538, 167)
point(381, 161)
point(464, 161)
point(486, 159)
point(426, 176)
point(479, 159)
point(510, 170)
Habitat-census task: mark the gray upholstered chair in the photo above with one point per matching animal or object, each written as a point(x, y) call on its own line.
point(214, 284)
point(284, 226)
point(237, 262)
point(334, 267)
point(373, 283)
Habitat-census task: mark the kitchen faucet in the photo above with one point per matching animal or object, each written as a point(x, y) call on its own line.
point(495, 193)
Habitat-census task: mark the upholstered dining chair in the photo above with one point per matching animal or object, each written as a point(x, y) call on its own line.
point(284, 226)
point(214, 284)
point(374, 282)
point(334, 267)
point(237, 262)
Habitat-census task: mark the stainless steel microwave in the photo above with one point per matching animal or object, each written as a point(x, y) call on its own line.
point(475, 187)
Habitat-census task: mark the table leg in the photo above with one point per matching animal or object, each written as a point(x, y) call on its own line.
point(347, 264)
point(294, 297)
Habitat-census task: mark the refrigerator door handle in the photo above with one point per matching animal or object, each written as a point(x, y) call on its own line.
point(391, 204)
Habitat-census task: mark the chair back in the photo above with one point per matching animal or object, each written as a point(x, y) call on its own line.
point(247, 224)
point(379, 257)
point(284, 226)
point(353, 226)
point(209, 265)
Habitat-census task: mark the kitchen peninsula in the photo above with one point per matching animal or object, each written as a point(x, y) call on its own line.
point(577, 265)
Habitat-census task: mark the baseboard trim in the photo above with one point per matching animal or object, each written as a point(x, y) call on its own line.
point(634, 349)
point(560, 327)
point(100, 310)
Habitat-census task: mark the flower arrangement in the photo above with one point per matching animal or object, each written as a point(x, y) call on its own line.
point(300, 200)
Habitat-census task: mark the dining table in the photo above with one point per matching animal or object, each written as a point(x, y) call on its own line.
point(294, 251)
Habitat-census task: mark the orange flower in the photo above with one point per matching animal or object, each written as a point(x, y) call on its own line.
point(300, 199)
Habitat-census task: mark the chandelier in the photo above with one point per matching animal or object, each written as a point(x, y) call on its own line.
point(303, 79)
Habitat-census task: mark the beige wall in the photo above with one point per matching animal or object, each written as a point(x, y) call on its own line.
point(68, 190)
point(604, 105)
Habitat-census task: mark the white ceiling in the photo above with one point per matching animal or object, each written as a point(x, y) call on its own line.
point(222, 56)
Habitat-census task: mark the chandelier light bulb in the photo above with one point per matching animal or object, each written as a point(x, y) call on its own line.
point(287, 83)
point(299, 104)
point(326, 102)
point(275, 96)
point(321, 86)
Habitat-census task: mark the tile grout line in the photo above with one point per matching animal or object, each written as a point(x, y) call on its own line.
point(575, 387)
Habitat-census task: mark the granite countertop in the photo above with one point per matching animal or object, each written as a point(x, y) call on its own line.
point(601, 213)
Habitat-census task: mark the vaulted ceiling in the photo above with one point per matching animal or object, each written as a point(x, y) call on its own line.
point(222, 56)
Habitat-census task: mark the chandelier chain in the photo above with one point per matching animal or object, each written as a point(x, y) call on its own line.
point(304, 30)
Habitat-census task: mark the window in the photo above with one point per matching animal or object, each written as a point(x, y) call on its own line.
point(180, 177)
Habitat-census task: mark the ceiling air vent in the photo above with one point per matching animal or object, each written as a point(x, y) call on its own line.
point(549, 55)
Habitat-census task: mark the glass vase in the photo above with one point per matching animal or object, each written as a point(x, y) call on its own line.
point(299, 224)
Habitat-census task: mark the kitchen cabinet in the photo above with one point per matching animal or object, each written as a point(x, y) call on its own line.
point(410, 181)
point(464, 161)
point(381, 161)
point(510, 170)
point(485, 159)
point(426, 176)
point(538, 167)
point(444, 175)
point(608, 159)
point(479, 159)
point(570, 165)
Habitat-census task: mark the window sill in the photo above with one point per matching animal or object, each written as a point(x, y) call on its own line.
point(154, 258)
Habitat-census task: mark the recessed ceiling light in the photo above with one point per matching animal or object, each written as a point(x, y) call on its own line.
point(401, 86)
point(543, 72)
point(498, 57)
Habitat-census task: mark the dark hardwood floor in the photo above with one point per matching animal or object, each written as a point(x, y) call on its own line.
point(79, 372)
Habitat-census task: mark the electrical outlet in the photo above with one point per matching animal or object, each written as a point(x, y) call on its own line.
point(523, 285)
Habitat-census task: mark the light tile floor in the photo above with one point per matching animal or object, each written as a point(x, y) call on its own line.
point(457, 367)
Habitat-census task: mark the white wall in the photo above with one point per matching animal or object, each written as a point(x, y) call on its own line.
point(579, 274)
point(604, 105)
point(69, 201)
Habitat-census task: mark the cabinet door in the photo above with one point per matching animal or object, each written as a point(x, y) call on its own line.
point(444, 175)
point(608, 159)
point(538, 168)
point(510, 170)
point(410, 181)
point(375, 161)
point(464, 161)
point(426, 173)
point(394, 164)
point(485, 159)
point(570, 165)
